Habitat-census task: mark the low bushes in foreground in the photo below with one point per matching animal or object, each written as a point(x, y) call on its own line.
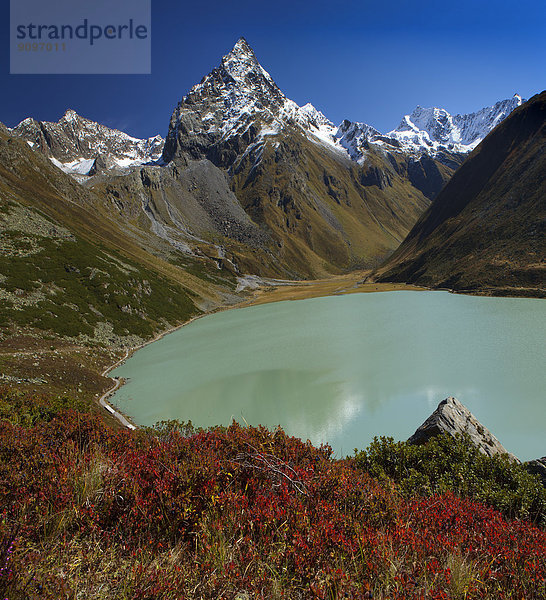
point(20, 408)
point(87, 512)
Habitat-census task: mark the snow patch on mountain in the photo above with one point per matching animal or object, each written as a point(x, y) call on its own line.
point(354, 137)
point(76, 167)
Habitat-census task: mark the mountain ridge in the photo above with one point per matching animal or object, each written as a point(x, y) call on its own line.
point(426, 130)
point(80, 146)
point(430, 130)
point(255, 182)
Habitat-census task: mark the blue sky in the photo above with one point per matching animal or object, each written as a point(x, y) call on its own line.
point(371, 61)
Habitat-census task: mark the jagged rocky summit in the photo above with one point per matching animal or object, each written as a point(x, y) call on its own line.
point(454, 418)
point(236, 105)
point(80, 146)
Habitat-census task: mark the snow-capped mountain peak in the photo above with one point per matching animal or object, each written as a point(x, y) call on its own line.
point(239, 78)
point(241, 62)
point(354, 136)
point(435, 120)
point(239, 100)
point(432, 130)
point(316, 118)
point(436, 129)
point(80, 146)
point(70, 115)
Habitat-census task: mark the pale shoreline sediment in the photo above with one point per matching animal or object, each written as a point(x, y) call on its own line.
point(119, 382)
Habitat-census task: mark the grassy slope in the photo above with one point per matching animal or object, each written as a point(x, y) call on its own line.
point(486, 230)
point(326, 213)
point(62, 266)
point(33, 181)
point(74, 286)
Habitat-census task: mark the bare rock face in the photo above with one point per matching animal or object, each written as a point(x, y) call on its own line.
point(537, 467)
point(453, 417)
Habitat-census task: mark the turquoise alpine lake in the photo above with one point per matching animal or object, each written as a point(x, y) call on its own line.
point(343, 369)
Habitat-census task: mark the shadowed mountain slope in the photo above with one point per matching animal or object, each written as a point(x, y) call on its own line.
point(486, 231)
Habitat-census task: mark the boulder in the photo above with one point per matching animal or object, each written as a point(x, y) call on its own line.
point(537, 467)
point(453, 417)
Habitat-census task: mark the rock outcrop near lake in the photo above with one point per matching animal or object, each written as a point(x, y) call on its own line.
point(454, 418)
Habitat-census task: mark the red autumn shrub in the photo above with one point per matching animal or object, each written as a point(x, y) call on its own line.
point(89, 512)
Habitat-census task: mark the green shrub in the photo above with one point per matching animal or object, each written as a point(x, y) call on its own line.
point(27, 410)
point(82, 285)
point(455, 464)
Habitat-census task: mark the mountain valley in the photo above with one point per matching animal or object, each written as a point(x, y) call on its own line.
point(108, 240)
point(172, 423)
point(266, 187)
